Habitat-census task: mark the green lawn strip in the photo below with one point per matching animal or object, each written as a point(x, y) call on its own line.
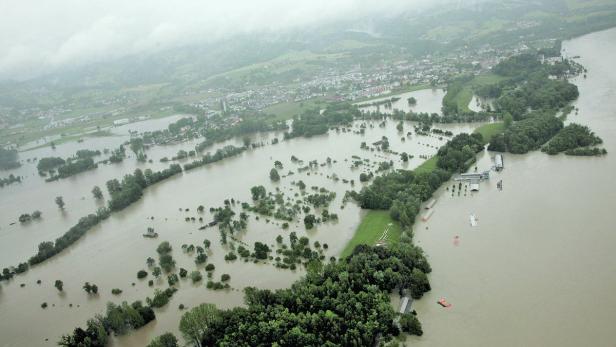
point(464, 97)
point(427, 166)
point(375, 221)
point(286, 110)
point(395, 92)
point(371, 229)
point(489, 130)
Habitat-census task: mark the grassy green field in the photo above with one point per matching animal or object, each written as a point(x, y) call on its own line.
point(464, 97)
point(489, 130)
point(427, 166)
point(371, 229)
point(395, 92)
point(286, 110)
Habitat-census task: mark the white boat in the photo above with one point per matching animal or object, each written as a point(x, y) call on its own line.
point(427, 215)
point(430, 204)
point(498, 161)
point(473, 220)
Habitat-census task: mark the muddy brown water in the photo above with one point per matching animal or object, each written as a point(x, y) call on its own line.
point(111, 254)
point(539, 268)
point(536, 271)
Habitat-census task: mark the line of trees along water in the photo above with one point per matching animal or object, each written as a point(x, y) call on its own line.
point(9, 180)
point(346, 301)
point(118, 319)
point(570, 138)
point(335, 302)
point(528, 134)
point(316, 122)
point(532, 94)
point(402, 191)
point(123, 193)
point(130, 189)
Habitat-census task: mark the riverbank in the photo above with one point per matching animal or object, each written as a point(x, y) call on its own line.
point(464, 95)
point(376, 226)
point(287, 110)
point(489, 130)
point(395, 92)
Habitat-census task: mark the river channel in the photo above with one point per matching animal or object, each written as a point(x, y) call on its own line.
point(539, 268)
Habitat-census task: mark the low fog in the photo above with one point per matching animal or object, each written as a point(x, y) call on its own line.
point(39, 36)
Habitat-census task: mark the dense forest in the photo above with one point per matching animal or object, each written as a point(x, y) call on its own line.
point(249, 125)
point(532, 94)
point(537, 93)
point(530, 85)
point(343, 303)
point(74, 167)
point(402, 191)
point(48, 164)
point(527, 135)
point(571, 137)
point(314, 122)
point(454, 87)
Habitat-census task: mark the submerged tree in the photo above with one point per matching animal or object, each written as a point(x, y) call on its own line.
point(410, 324)
point(164, 340)
point(274, 176)
point(97, 192)
point(60, 202)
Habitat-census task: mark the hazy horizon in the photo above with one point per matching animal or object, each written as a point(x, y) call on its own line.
point(69, 33)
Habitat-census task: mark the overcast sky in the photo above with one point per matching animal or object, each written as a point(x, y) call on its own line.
point(39, 36)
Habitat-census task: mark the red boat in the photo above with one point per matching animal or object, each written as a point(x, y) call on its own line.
point(443, 302)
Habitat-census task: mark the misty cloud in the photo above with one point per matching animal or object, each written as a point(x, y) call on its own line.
point(38, 36)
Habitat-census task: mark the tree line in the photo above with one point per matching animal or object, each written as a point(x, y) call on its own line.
point(343, 302)
point(123, 194)
point(402, 191)
point(570, 138)
point(314, 122)
point(527, 135)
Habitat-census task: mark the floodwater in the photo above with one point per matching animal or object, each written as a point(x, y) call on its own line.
point(428, 100)
point(111, 254)
point(539, 268)
point(478, 104)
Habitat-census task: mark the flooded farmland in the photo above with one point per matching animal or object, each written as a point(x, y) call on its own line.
point(111, 254)
point(548, 229)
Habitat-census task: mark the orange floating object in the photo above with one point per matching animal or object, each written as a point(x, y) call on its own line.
point(443, 302)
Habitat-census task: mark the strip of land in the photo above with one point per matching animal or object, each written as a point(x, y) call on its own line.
point(375, 226)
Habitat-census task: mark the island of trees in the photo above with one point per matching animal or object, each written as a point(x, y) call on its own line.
point(8, 159)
